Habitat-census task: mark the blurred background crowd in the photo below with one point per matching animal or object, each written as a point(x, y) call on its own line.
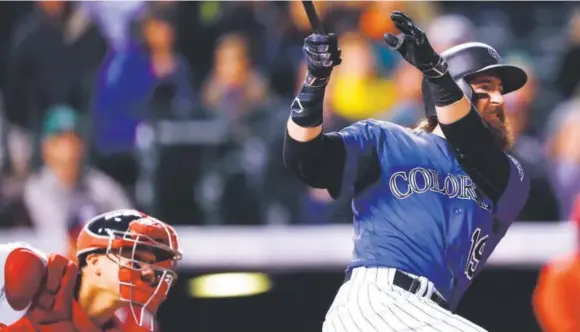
point(179, 108)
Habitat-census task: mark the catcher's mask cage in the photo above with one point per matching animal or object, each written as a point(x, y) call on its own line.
point(469, 59)
point(127, 235)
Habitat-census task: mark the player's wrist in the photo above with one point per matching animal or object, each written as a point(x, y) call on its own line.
point(439, 69)
point(307, 108)
point(444, 89)
point(316, 81)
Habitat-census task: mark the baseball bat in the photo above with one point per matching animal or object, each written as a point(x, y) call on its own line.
point(313, 17)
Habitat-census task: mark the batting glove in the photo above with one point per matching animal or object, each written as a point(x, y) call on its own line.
point(414, 47)
point(322, 55)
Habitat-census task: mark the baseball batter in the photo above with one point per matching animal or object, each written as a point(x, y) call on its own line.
point(430, 204)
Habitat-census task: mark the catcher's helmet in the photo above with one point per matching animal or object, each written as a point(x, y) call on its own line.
point(125, 234)
point(468, 59)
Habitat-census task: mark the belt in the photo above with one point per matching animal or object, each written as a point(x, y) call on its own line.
point(409, 284)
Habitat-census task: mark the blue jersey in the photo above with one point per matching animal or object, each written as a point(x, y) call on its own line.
point(424, 215)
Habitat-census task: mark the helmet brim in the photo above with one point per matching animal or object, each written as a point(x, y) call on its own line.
point(512, 77)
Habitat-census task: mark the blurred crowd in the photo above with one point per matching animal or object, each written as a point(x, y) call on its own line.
point(179, 108)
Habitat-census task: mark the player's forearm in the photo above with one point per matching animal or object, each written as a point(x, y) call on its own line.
point(482, 158)
point(452, 113)
point(451, 104)
point(302, 134)
point(306, 111)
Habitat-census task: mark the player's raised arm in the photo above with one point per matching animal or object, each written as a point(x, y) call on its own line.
point(469, 112)
point(317, 159)
point(307, 152)
point(322, 55)
point(337, 161)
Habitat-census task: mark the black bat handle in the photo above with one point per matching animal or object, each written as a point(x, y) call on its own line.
point(313, 17)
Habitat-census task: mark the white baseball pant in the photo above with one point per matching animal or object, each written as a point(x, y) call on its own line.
point(369, 302)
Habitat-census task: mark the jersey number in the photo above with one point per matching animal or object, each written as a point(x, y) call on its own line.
point(475, 253)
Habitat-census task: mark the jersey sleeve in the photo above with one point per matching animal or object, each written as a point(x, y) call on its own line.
point(361, 141)
point(516, 192)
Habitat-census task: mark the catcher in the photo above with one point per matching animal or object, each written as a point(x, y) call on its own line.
point(126, 259)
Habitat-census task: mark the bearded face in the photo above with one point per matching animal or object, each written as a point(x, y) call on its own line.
point(489, 101)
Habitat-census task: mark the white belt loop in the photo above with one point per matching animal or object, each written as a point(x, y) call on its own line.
point(382, 276)
point(355, 272)
point(422, 290)
point(391, 276)
point(430, 289)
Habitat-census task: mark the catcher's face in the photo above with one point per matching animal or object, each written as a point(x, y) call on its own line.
point(489, 101)
point(110, 265)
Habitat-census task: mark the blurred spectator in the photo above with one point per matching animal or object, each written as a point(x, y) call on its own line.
point(114, 19)
point(13, 212)
point(358, 92)
point(409, 109)
point(374, 19)
point(374, 22)
point(237, 93)
point(520, 106)
point(127, 82)
point(256, 50)
point(55, 51)
point(568, 73)
point(449, 30)
point(64, 194)
point(563, 135)
point(234, 88)
point(300, 18)
point(317, 207)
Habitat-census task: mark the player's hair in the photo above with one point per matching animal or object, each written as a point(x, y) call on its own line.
point(427, 124)
point(504, 138)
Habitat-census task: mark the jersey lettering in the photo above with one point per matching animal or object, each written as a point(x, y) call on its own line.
point(475, 253)
point(419, 180)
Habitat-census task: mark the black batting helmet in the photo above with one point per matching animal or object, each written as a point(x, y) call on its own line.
point(468, 59)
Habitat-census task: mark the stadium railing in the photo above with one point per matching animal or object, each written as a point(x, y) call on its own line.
point(526, 245)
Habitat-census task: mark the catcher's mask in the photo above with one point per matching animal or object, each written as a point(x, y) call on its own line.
point(469, 59)
point(125, 234)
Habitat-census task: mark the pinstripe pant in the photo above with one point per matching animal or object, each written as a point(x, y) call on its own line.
point(369, 302)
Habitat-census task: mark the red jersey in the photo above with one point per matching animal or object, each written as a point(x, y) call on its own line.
point(129, 324)
point(557, 293)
